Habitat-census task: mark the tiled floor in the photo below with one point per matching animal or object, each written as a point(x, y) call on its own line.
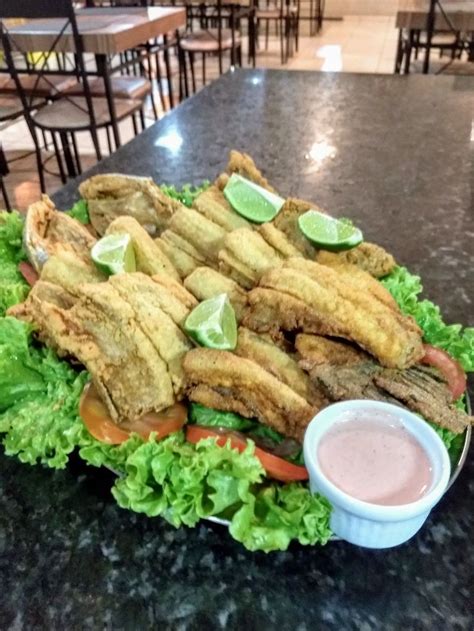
point(354, 44)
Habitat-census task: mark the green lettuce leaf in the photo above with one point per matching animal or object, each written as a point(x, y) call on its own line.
point(39, 399)
point(13, 287)
point(184, 483)
point(275, 515)
point(453, 338)
point(207, 417)
point(80, 211)
point(187, 194)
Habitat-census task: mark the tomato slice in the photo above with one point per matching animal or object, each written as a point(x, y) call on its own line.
point(96, 418)
point(451, 369)
point(28, 272)
point(275, 467)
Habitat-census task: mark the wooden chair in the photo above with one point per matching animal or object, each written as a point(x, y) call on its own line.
point(213, 38)
point(66, 115)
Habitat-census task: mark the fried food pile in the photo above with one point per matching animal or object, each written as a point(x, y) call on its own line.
point(315, 327)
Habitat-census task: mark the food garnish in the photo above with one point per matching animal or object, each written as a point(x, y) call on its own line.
point(127, 331)
point(251, 200)
point(212, 323)
point(277, 468)
point(329, 233)
point(451, 369)
point(97, 419)
point(114, 254)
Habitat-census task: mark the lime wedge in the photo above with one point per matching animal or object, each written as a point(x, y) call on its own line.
point(328, 233)
point(212, 323)
point(114, 254)
point(252, 201)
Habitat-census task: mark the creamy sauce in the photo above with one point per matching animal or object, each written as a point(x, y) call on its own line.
point(372, 457)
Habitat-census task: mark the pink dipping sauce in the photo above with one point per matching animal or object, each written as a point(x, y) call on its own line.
point(372, 457)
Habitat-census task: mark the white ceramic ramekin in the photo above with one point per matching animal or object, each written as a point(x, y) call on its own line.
point(375, 525)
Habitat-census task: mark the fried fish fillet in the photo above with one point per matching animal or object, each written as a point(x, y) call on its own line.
point(316, 299)
point(279, 364)
point(183, 262)
point(245, 256)
point(369, 257)
point(287, 222)
point(278, 240)
point(418, 388)
point(204, 235)
point(101, 330)
point(224, 381)
point(206, 283)
point(315, 350)
point(148, 256)
point(48, 232)
point(213, 205)
point(111, 195)
point(243, 164)
point(69, 270)
point(145, 297)
point(186, 256)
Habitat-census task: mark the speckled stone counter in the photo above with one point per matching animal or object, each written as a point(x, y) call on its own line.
point(393, 153)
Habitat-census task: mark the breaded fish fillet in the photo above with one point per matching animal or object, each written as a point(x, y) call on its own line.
point(146, 299)
point(278, 240)
point(101, 330)
point(244, 165)
point(334, 305)
point(279, 364)
point(111, 195)
point(204, 235)
point(370, 257)
point(183, 262)
point(418, 388)
point(48, 232)
point(245, 256)
point(69, 270)
point(148, 256)
point(287, 222)
point(315, 350)
point(206, 283)
point(213, 205)
point(223, 380)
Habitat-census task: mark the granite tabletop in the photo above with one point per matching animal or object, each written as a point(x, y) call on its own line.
point(395, 154)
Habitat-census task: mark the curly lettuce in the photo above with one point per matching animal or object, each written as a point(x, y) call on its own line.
point(13, 287)
point(187, 194)
point(453, 338)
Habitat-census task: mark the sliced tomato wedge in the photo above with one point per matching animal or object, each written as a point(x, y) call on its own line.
point(28, 272)
point(275, 467)
point(451, 369)
point(96, 418)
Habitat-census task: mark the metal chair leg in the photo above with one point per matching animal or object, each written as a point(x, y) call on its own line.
point(204, 69)
point(62, 173)
point(70, 166)
point(76, 153)
point(193, 76)
point(5, 195)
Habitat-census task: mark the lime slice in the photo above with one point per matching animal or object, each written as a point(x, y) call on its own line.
point(252, 201)
point(329, 233)
point(114, 254)
point(212, 323)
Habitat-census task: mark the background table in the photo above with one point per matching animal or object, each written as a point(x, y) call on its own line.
point(394, 154)
point(105, 32)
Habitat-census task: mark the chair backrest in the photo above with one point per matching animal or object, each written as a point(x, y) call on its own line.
point(31, 9)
